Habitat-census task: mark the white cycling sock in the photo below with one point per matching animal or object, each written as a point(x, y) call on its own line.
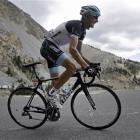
point(53, 91)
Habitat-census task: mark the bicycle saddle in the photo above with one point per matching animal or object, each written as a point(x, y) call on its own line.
point(31, 64)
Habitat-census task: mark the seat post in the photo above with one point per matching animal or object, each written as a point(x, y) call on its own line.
point(34, 71)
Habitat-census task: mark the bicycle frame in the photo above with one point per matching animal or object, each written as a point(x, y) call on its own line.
point(78, 82)
point(83, 85)
point(51, 112)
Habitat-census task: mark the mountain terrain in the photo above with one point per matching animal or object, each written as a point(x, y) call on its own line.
point(20, 40)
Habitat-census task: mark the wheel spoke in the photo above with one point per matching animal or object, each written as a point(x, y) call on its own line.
point(98, 108)
point(27, 108)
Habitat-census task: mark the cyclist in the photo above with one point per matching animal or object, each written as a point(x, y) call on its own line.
point(71, 32)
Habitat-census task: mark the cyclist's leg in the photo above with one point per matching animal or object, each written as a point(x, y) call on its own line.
point(54, 72)
point(64, 61)
point(53, 68)
point(53, 75)
point(64, 77)
point(56, 57)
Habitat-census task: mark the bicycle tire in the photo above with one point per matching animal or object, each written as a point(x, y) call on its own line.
point(100, 116)
point(15, 105)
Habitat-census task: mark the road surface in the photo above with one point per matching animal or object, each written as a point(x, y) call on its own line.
point(67, 128)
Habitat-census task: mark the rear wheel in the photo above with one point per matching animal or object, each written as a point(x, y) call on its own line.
point(27, 108)
point(107, 107)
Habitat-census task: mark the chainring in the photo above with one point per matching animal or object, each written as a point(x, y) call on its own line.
point(53, 113)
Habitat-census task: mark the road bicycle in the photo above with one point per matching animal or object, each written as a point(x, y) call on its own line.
point(93, 105)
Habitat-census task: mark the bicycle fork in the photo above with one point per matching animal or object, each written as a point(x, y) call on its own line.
point(89, 98)
point(85, 89)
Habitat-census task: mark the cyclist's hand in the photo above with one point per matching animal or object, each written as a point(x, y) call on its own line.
point(96, 66)
point(93, 65)
point(90, 71)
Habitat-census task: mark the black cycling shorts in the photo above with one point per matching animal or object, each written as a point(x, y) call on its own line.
point(52, 54)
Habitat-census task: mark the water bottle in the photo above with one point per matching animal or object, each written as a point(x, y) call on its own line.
point(65, 89)
point(65, 93)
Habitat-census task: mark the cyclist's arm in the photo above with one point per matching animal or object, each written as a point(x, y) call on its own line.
point(79, 48)
point(75, 53)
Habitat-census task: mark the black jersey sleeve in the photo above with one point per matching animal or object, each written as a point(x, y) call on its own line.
point(74, 27)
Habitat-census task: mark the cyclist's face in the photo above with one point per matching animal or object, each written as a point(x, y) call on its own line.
point(91, 21)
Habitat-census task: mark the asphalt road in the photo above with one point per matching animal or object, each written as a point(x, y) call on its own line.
point(67, 128)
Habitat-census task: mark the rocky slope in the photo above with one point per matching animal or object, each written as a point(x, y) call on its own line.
point(20, 41)
point(117, 72)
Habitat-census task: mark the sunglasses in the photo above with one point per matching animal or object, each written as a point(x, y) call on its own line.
point(96, 17)
point(93, 18)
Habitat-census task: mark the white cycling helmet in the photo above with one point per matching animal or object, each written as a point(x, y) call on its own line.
point(91, 10)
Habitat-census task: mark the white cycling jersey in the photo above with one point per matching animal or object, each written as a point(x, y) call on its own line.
point(58, 37)
point(61, 34)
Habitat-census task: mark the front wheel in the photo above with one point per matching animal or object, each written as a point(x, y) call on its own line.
point(27, 107)
point(104, 111)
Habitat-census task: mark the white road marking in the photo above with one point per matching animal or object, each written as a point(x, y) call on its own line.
point(133, 113)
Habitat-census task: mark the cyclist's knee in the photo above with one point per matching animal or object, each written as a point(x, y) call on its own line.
point(70, 67)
